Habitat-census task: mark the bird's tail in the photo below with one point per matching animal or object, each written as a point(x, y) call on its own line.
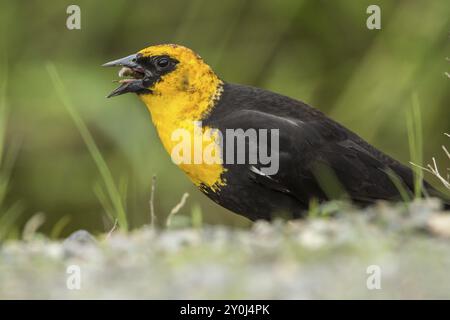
point(432, 192)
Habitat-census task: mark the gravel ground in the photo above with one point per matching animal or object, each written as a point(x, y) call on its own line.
point(321, 257)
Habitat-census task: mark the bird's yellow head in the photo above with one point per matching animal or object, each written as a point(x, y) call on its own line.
point(168, 72)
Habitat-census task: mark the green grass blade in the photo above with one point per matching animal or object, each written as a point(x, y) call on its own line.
point(104, 201)
point(112, 190)
point(59, 226)
point(3, 108)
point(8, 220)
point(398, 183)
point(196, 216)
point(415, 141)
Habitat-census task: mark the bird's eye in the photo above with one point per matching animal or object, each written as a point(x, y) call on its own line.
point(163, 62)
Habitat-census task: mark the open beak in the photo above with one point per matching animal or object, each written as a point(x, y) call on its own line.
point(136, 75)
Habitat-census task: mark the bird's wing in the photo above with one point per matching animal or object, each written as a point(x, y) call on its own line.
point(318, 158)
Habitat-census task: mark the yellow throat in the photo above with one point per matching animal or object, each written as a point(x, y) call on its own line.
point(178, 100)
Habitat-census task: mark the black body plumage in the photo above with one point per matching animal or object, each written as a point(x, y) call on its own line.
point(309, 142)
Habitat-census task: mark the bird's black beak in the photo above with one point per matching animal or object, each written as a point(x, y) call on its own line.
point(129, 62)
point(130, 67)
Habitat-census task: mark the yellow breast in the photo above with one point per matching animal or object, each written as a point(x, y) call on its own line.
point(177, 104)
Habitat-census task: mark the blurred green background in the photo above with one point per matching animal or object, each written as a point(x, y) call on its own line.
point(320, 52)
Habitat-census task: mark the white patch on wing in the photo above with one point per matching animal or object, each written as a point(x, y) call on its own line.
point(259, 172)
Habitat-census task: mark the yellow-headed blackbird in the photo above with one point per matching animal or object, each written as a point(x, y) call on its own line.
point(313, 153)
